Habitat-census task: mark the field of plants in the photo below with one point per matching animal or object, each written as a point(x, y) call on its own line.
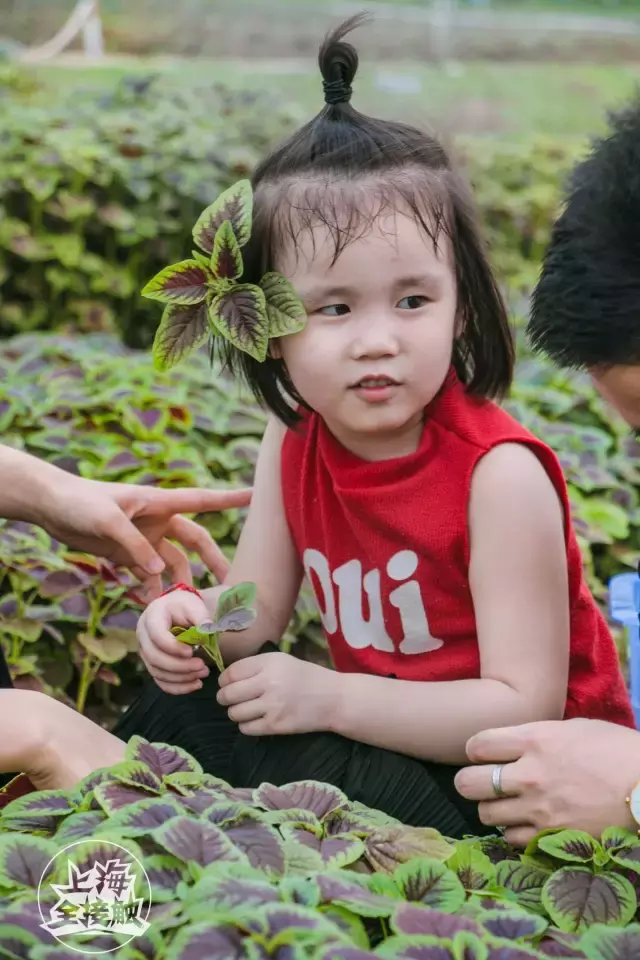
point(100, 183)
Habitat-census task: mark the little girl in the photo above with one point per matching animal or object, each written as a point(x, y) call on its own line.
point(434, 529)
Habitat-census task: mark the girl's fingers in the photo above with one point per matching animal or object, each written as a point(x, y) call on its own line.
point(156, 658)
point(247, 712)
point(167, 676)
point(240, 692)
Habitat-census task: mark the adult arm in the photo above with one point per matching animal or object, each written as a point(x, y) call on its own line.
point(518, 580)
point(50, 742)
point(128, 524)
point(576, 773)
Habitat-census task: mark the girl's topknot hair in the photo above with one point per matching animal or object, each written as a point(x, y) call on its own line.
point(342, 170)
point(338, 62)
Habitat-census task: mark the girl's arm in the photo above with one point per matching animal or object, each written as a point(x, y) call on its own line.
point(265, 555)
point(519, 583)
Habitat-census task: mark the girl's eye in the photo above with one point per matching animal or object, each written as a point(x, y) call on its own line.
point(412, 303)
point(334, 310)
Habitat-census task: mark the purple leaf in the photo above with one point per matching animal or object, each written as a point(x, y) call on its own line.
point(412, 920)
point(182, 283)
point(513, 926)
point(196, 841)
point(221, 812)
point(524, 880)
point(114, 796)
point(63, 582)
point(551, 947)
point(226, 259)
point(120, 462)
point(229, 893)
point(240, 316)
point(142, 818)
point(164, 873)
point(261, 844)
point(24, 859)
point(576, 899)
point(78, 826)
point(137, 775)
point(510, 953)
point(201, 802)
point(76, 607)
point(236, 620)
point(234, 205)
point(319, 798)
point(207, 941)
point(48, 802)
point(161, 758)
point(181, 330)
point(388, 847)
point(347, 953)
point(124, 620)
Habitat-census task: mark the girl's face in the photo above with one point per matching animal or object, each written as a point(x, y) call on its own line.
point(378, 341)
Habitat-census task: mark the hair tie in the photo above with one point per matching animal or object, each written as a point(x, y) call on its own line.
point(336, 91)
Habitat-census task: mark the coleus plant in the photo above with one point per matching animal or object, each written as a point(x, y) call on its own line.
point(233, 613)
point(205, 297)
point(300, 871)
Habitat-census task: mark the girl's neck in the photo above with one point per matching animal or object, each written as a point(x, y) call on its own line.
point(382, 446)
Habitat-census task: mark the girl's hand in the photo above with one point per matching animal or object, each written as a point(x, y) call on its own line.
point(172, 664)
point(275, 693)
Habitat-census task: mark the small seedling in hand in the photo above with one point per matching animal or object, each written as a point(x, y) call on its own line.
point(234, 613)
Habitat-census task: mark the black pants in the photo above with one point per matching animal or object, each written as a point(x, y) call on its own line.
point(413, 791)
point(416, 792)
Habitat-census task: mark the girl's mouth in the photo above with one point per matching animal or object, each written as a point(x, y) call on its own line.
point(375, 389)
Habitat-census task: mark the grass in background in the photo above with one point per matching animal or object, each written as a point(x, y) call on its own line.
point(509, 101)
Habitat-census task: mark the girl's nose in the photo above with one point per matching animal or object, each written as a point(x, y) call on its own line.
point(375, 338)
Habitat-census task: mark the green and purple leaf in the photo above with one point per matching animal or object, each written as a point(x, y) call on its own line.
point(236, 620)
point(209, 940)
point(317, 798)
point(604, 943)
point(475, 870)
point(142, 818)
point(195, 841)
point(572, 845)
point(53, 803)
point(165, 873)
point(431, 883)
point(161, 758)
point(79, 826)
point(285, 309)
point(240, 316)
point(523, 880)
point(260, 843)
point(333, 851)
point(388, 847)
point(24, 859)
point(226, 259)
point(181, 331)
point(234, 205)
point(137, 775)
point(576, 899)
point(182, 283)
point(513, 925)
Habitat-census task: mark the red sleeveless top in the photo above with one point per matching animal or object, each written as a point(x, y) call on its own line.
point(385, 546)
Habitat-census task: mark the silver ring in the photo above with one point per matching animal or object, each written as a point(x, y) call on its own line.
point(496, 780)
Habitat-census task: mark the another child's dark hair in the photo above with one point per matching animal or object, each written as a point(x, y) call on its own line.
point(342, 146)
point(586, 306)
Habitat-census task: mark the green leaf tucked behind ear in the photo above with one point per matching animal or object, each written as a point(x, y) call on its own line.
point(284, 307)
point(181, 330)
point(241, 317)
point(234, 205)
point(183, 282)
point(226, 259)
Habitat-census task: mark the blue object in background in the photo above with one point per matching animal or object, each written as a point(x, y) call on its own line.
point(624, 605)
